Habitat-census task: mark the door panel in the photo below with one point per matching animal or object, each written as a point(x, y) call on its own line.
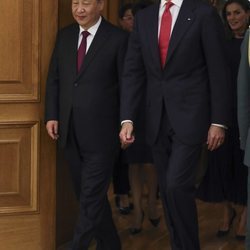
point(19, 167)
point(27, 155)
point(19, 47)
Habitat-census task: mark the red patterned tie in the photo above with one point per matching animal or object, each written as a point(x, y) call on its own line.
point(82, 49)
point(165, 31)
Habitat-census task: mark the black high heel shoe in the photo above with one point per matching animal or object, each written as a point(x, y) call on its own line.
point(240, 237)
point(222, 233)
point(134, 230)
point(123, 210)
point(155, 222)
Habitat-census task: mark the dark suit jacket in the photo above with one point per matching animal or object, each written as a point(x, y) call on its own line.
point(194, 82)
point(93, 94)
point(243, 98)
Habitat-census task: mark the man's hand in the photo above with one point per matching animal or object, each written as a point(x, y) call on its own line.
point(52, 129)
point(126, 135)
point(215, 138)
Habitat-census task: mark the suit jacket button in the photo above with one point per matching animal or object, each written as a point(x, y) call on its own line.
point(75, 84)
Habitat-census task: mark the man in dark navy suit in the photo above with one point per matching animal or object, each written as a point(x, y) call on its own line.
point(179, 47)
point(82, 110)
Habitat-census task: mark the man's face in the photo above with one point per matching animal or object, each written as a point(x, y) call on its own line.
point(127, 21)
point(87, 12)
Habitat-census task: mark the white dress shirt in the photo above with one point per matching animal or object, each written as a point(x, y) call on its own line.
point(175, 9)
point(92, 31)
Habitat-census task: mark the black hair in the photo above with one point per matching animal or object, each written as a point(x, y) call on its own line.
point(140, 5)
point(124, 8)
point(245, 4)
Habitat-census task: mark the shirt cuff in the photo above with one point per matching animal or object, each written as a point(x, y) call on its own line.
point(219, 125)
point(126, 121)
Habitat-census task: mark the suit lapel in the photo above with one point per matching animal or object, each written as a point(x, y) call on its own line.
point(71, 49)
point(153, 35)
point(183, 22)
point(101, 35)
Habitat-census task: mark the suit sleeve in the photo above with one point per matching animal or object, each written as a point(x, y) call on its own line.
point(213, 41)
point(52, 87)
point(243, 88)
point(121, 55)
point(133, 77)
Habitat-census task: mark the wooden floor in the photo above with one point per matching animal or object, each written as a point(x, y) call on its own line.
point(158, 238)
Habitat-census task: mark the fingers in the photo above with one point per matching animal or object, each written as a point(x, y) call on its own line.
point(126, 135)
point(214, 143)
point(215, 138)
point(52, 129)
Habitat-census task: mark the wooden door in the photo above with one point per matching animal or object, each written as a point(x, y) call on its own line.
point(27, 155)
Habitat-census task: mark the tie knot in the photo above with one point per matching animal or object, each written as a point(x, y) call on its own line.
point(85, 34)
point(168, 5)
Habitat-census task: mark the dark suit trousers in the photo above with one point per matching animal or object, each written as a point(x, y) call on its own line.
point(120, 176)
point(91, 173)
point(176, 164)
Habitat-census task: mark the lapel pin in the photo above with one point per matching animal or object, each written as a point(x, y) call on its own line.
point(189, 19)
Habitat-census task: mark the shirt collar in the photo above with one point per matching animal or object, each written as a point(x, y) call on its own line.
point(93, 29)
point(175, 2)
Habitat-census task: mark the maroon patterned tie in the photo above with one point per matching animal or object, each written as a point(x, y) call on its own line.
point(82, 49)
point(165, 31)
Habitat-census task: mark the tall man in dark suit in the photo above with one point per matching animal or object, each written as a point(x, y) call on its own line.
point(179, 47)
point(82, 110)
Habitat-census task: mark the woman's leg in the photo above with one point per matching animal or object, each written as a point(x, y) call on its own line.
point(151, 180)
point(136, 183)
point(228, 217)
point(241, 230)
